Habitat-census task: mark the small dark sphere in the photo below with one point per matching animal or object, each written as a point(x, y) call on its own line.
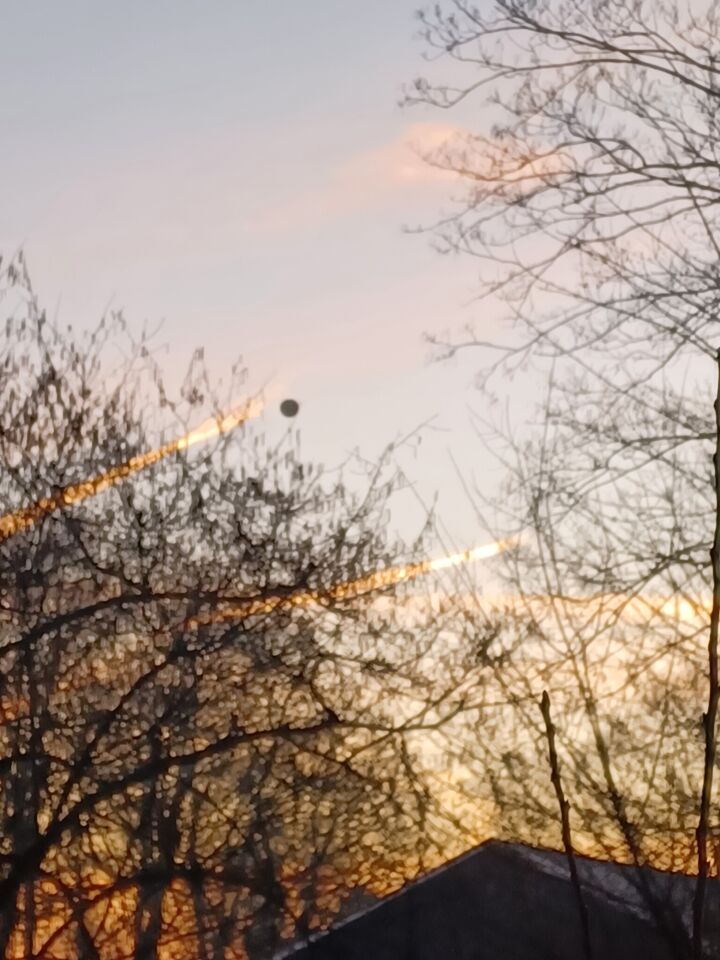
point(289, 408)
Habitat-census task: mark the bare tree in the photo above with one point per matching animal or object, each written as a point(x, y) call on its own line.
point(592, 211)
point(204, 744)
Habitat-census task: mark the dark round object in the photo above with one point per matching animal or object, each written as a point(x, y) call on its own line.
point(289, 408)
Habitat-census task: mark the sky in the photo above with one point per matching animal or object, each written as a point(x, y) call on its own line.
point(240, 172)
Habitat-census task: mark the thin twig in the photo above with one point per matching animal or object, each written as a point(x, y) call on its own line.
point(565, 824)
point(710, 716)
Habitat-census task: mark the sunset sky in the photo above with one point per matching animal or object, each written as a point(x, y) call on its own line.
point(241, 171)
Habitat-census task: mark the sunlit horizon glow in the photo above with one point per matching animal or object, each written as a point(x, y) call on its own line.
point(19, 520)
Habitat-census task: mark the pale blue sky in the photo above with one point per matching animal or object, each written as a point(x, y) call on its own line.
point(240, 170)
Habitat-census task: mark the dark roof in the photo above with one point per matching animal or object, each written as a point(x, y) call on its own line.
point(516, 902)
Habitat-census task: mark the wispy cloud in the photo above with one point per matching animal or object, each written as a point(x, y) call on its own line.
point(369, 179)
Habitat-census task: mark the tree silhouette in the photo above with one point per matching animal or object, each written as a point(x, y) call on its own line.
point(203, 747)
point(591, 210)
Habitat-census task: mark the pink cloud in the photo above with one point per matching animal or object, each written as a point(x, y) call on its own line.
point(369, 178)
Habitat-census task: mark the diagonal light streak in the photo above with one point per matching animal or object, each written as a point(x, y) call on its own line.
point(25, 517)
point(370, 583)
